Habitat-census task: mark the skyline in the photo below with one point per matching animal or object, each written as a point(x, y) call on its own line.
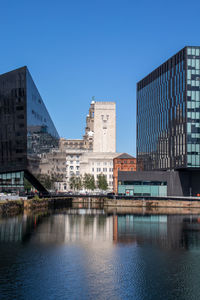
point(75, 51)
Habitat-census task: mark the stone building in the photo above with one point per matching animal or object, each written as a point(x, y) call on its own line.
point(95, 152)
point(104, 127)
point(96, 163)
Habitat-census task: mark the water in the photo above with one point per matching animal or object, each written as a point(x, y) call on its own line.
point(88, 254)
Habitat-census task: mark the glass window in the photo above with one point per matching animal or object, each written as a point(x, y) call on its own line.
point(189, 52)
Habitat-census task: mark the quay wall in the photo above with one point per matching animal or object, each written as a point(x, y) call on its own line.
point(152, 203)
point(15, 207)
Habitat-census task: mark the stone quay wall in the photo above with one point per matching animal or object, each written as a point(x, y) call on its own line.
point(152, 203)
point(15, 207)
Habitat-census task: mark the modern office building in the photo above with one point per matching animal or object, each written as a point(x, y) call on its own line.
point(168, 114)
point(168, 120)
point(26, 130)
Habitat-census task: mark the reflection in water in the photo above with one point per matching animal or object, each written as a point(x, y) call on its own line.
point(93, 224)
point(87, 254)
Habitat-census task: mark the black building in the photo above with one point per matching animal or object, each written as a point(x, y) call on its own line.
point(26, 130)
point(168, 121)
point(168, 114)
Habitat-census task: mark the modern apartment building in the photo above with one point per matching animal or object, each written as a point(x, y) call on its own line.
point(26, 130)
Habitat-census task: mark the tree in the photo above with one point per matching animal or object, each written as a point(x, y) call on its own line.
point(75, 182)
point(102, 182)
point(89, 182)
point(78, 183)
point(72, 182)
point(45, 180)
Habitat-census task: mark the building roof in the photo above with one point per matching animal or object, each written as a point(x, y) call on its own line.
point(124, 155)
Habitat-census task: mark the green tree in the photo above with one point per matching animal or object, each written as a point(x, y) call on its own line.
point(75, 182)
point(72, 182)
point(48, 181)
point(78, 183)
point(89, 182)
point(102, 182)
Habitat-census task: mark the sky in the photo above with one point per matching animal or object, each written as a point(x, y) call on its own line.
point(78, 49)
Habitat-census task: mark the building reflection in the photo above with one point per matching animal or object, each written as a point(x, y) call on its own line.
point(93, 225)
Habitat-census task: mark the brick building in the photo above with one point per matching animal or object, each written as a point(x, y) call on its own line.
point(123, 162)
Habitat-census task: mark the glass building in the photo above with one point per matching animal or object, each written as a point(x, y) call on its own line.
point(26, 130)
point(168, 114)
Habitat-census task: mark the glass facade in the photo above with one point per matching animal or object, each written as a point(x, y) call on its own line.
point(26, 129)
point(13, 121)
point(142, 188)
point(42, 135)
point(193, 107)
point(11, 181)
point(168, 108)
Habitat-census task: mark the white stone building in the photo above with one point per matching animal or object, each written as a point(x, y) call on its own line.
point(104, 127)
point(96, 163)
point(95, 152)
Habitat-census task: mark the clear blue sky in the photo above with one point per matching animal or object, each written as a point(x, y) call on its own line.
point(82, 48)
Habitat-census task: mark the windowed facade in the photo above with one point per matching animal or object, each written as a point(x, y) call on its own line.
point(168, 114)
point(26, 129)
point(11, 181)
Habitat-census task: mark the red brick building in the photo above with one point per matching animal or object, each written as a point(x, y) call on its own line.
point(123, 162)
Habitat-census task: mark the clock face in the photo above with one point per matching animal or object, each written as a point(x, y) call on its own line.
point(90, 133)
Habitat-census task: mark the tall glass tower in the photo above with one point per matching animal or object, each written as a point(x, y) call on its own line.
point(168, 114)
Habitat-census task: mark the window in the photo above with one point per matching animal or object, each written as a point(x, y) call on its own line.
point(19, 108)
point(20, 117)
point(104, 169)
